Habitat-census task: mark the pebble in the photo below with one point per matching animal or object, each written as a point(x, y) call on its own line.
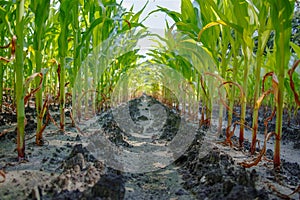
point(180, 192)
point(77, 138)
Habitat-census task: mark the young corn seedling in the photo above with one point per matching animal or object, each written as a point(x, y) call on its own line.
point(41, 11)
point(263, 33)
point(281, 14)
point(64, 20)
point(19, 73)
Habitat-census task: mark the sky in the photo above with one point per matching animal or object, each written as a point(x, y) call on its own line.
point(155, 21)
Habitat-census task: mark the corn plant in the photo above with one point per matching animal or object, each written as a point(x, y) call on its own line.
point(64, 20)
point(41, 11)
point(263, 32)
point(19, 73)
point(281, 12)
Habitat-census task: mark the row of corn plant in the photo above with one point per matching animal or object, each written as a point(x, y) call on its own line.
point(47, 42)
point(244, 38)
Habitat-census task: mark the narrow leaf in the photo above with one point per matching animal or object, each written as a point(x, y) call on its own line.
point(211, 24)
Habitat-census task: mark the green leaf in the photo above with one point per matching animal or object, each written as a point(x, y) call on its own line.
point(136, 17)
point(296, 48)
point(240, 12)
point(2, 10)
point(188, 12)
point(174, 15)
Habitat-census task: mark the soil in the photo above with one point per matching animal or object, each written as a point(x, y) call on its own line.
point(67, 168)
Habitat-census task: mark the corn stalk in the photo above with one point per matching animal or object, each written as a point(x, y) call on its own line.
point(64, 20)
point(41, 11)
point(262, 38)
point(281, 14)
point(19, 73)
point(2, 67)
point(235, 63)
point(76, 51)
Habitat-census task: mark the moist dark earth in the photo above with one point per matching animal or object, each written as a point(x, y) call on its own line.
point(66, 168)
